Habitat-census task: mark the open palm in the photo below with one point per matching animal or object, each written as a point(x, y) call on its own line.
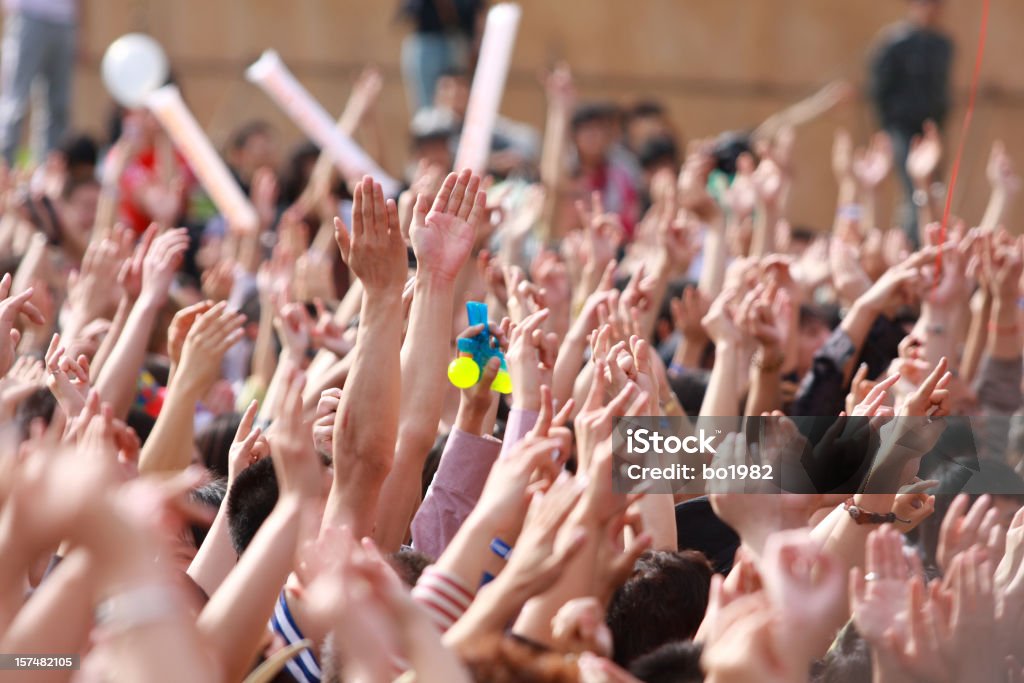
point(443, 237)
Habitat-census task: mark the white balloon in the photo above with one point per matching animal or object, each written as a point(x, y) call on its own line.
point(133, 66)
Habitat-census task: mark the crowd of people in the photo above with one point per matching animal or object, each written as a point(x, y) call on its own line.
point(236, 455)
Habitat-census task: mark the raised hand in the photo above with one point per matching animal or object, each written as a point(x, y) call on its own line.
point(932, 398)
point(291, 446)
point(11, 307)
point(375, 251)
point(249, 444)
point(505, 498)
point(180, 326)
point(806, 584)
point(323, 421)
point(160, 264)
point(871, 165)
point(67, 377)
point(964, 526)
point(925, 154)
point(443, 238)
point(294, 329)
point(213, 333)
point(24, 377)
point(1000, 171)
point(879, 597)
point(531, 356)
point(719, 322)
point(541, 551)
point(328, 334)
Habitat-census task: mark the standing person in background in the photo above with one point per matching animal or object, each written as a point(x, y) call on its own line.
point(443, 38)
point(38, 43)
point(909, 84)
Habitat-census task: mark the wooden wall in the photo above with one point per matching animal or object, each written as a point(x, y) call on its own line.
point(716, 63)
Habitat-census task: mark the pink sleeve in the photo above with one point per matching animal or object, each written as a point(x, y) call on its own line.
point(519, 423)
point(465, 464)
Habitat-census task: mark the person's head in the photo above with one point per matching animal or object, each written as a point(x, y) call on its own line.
point(656, 154)
point(593, 132)
point(848, 661)
point(647, 119)
point(677, 662)
point(452, 91)
point(925, 13)
point(814, 327)
point(79, 153)
point(431, 131)
point(252, 147)
point(409, 564)
point(214, 442)
point(79, 199)
point(209, 495)
point(663, 601)
point(298, 170)
point(252, 497)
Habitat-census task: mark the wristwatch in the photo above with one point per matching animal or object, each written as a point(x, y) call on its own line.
point(861, 516)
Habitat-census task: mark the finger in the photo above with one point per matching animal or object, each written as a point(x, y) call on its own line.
point(595, 398)
point(445, 193)
point(563, 415)
point(358, 199)
point(380, 211)
point(931, 382)
point(468, 201)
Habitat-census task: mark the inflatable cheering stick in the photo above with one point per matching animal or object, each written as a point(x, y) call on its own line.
point(474, 352)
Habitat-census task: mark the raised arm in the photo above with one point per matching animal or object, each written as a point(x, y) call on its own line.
point(235, 618)
point(366, 425)
point(116, 382)
point(442, 239)
point(169, 445)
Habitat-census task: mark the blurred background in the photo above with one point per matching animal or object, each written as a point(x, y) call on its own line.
point(715, 64)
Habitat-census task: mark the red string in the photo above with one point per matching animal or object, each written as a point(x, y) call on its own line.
point(968, 115)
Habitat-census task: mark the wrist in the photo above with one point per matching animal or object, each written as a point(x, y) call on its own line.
point(381, 296)
point(470, 421)
point(150, 302)
point(432, 278)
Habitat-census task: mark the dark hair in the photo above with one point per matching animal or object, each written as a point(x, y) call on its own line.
point(663, 601)
point(40, 404)
point(677, 662)
point(728, 148)
point(497, 659)
point(241, 136)
point(825, 314)
point(646, 108)
point(409, 564)
point(80, 153)
point(210, 495)
point(142, 422)
point(847, 661)
point(252, 497)
point(592, 112)
point(214, 442)
point(658, 150)
point(432, 462)
point(295, 177)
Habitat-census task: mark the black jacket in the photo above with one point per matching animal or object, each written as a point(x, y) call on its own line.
point(909, 77)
